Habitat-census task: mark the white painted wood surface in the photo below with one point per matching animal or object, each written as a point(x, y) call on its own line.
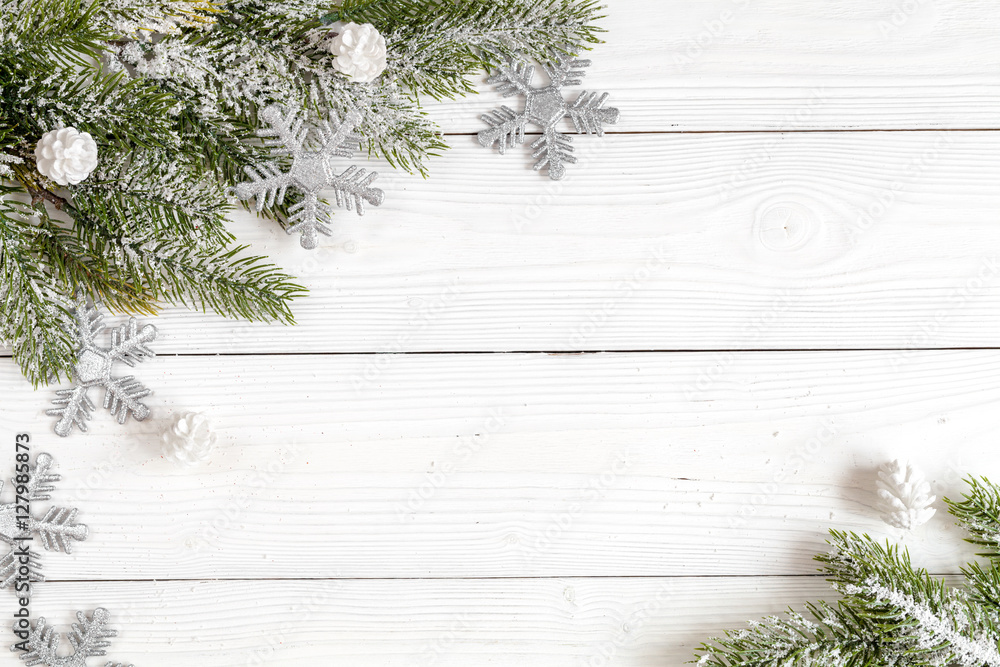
point(417, 623)
point(771, 298)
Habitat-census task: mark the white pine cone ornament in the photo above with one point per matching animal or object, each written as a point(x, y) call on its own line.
point(359, 51)
point(904, 495)
point(190, 440)
point(66, 156)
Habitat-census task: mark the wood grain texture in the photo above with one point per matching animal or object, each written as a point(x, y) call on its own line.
point(371, 508)
point(636, 622)
point(873, 240)
point(738, 65)
point(519, 465)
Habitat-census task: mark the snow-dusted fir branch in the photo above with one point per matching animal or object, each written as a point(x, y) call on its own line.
point(878, 581)
point(138, 18)
point(277, 53)
point(172, 93)
point(979, 514)
point(5, 164)
point(891, 613)
point(35, 318)
point(935, 628)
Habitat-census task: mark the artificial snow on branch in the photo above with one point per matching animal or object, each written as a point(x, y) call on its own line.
point(126, 124)
point(890, 612)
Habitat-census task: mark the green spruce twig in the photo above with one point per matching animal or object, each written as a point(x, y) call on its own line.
point(890, 612)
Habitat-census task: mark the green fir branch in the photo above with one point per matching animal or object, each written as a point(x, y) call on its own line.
point(122, 114)
point(35, 316)
point(436, 46)
point(147, 193)
point(827, 635)
point(226, 281)
point(51, 34)
point(171, 90)
point(890, 613)
point(71, 265)
point(979, 514)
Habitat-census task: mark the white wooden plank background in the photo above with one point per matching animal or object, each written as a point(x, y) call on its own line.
point(667, 242)
point(772, 298)
point(410, 623)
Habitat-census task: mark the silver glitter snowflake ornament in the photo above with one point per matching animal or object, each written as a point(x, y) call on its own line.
point(89, 638)
point(56, 529)
point(311, 171)
point(95, 367)
point(545, 107)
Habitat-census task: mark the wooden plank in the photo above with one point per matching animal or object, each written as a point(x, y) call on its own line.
point(545, 622)
point(871, 240)
point(518, 465)
point(735, 65)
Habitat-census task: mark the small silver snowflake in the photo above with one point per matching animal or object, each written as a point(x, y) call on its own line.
point(95, 367)
point(89, 638)
point(56, 530)
point(545, 107)
point(311, 171)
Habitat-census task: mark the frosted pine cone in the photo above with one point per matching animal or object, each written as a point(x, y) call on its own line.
point(190, 440)
point(66, 156)
point(904, 496)
point(359, 51)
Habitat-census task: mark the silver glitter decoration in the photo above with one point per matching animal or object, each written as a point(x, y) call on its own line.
point(95, 366)
point(311, 171)
point(56, 529)
point(89, 638)
point(545, 107)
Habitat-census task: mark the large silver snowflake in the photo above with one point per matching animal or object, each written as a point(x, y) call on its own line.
point(545, 107)
point(95, 367)
point(89, 638)
point(311, 171)
point(56, 529)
